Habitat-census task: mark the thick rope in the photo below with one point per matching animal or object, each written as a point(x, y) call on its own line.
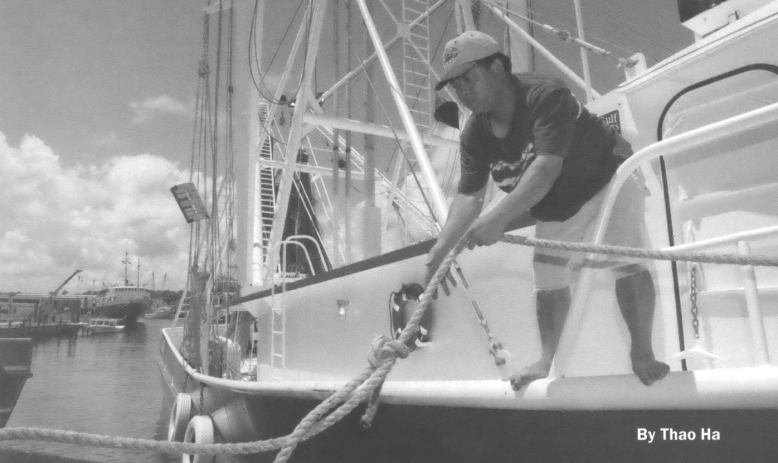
point(704, 257)
point(366, 386)
point(387, 353)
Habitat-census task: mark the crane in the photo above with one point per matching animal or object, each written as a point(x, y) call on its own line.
point(56, 291)
point(48, 303)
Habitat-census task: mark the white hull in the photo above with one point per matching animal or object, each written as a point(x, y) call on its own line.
point(716, 133)
point(105, 325)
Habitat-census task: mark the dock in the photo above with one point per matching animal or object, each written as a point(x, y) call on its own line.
point(25, 329)
point(34, 456)
point(56, 452)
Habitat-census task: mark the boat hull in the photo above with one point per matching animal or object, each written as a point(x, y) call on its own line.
point(105, 329)
point(15, 360)
point(412, 432)
point(127, 311)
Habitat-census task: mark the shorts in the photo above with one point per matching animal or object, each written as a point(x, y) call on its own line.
point(552, 267)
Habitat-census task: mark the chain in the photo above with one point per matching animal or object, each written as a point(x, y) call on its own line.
point(693, 297)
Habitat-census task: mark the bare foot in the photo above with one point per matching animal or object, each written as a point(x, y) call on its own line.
point(649, 370)
point(530, 373)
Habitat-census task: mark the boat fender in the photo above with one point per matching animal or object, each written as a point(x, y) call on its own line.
point(199, 431)
point(402, 304)
point(179, 417)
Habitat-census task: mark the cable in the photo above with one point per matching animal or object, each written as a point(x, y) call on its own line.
point(252, 46)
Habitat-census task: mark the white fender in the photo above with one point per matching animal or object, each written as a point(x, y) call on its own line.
point(199, 431)
point(179, 417)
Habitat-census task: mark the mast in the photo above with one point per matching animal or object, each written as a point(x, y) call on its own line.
point(245, 138)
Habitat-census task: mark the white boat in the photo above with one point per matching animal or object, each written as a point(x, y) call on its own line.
point(105, 325)
point(161, 312)
point(124, 302)
point(704, 126)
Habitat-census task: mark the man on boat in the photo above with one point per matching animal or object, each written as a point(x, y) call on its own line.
point(554, 159)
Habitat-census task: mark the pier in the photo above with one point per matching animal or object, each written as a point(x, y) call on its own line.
point(26, 329)
point(38, 456)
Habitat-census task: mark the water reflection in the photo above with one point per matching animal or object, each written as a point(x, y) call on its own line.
point(104, 384)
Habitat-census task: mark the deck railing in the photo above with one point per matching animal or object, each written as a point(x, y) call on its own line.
point(759, 124)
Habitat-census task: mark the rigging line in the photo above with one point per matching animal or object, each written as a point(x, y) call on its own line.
point(625, 24)
point(391, 127)
point(229, 142)
point(566, 36)
point(194, 130)
point(442, 34)
point(562, 24)
point(305, 52)
point(252, 41)
point(201, 72)
point(214, 139)
point(533, 13)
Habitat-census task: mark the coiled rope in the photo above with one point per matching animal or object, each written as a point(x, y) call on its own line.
point(366, 386)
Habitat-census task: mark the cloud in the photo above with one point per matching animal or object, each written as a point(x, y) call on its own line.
point(56, 219)
point(150, 108)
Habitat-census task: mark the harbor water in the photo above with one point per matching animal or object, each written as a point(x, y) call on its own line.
point(105, 384)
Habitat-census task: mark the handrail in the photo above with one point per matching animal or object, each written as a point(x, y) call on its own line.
point(762, 119)
point(732, 238)
point(315, 243)
point(284, 244)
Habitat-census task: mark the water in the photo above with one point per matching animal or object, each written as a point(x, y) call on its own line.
point(106, 384)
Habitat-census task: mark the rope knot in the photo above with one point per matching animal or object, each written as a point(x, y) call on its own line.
point(383, 348)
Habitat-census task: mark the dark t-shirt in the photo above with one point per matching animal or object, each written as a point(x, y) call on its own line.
point(547, 119)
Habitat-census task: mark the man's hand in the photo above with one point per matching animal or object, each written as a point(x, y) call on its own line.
point(434, 259)
point(486, 230)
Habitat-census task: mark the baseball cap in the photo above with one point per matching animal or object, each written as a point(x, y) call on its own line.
point(463, 51)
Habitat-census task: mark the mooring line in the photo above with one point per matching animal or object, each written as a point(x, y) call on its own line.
point(366, 386)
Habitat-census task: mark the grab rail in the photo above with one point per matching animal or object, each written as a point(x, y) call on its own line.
point(759, 120)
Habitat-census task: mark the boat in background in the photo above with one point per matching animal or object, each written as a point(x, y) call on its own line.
point(105, 325)
point(161, 312)
point(15, 361)
point(704, 127)
point(123, 302)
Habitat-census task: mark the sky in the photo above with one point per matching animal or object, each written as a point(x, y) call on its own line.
point(95, 127)
point(96, 124)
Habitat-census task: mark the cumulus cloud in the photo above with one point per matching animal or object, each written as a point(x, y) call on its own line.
point(56, 219)
point(146, 110)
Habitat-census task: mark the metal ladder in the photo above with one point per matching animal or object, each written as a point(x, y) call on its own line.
point(416, 58)
point(267, 191)
point(277, 335)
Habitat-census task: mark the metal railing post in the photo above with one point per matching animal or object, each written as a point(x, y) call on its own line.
point(755, 320)
point(764, 119)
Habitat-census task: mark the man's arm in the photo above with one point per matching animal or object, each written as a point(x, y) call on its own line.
point(463, 212)
point(532, 187)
